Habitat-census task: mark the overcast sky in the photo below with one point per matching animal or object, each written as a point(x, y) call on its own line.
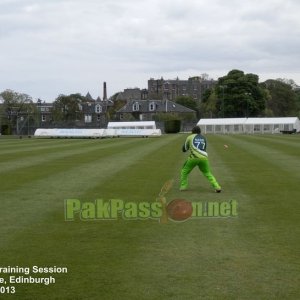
point(52, 47)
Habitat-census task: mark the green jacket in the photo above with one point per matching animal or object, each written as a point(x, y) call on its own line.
point(196, 144)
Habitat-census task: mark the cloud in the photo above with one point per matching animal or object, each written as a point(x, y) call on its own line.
point(52, 47)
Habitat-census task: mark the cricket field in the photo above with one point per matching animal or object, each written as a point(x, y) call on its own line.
point(85, 219)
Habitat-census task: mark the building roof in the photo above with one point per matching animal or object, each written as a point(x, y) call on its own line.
point(89, 97)
point(160, 106)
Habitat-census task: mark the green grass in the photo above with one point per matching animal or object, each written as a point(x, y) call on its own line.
point(252, 256)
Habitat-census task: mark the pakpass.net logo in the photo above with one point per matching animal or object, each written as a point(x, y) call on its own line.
point(176, 210)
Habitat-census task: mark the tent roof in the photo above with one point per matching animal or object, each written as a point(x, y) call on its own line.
point(232, 121)
point(130, 124)
point(222, 121)
point(282, 120)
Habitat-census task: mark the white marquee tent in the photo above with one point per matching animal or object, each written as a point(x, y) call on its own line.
point(132, 125)
point(137, 128)
point(114, 129)
point(250, 125)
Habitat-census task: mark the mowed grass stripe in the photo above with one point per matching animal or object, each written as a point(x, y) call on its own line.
point(266, 229)
point(7, 143)
point(186, 254)
point(39, 145)
point(177, 254)
point(270, 185)
point(249, 257)
point(149, 174)
point(9, 146)
point(269, 170)
point(292, 140)
point(39, 194)
point(63, 233)
point(221, 161)
point(59, 162)
point(221, 254)
point(122, 244)
point(33, 157)
point(274, 189)
point(285, 157)
point(278, 143)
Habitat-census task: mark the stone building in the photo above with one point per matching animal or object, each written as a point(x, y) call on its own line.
point(95, 111)
point(133, 93)
point(194, 87)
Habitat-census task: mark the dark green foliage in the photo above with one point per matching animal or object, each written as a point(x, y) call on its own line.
point(172, 126)
point(282, 100)
point(240, 95)
point(5, 129)
point(67, 108)
point(187, 101)
point(15, 108)
point(117, 104)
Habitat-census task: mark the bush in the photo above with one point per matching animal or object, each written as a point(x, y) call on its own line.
point(172, 126)
point(5, 130)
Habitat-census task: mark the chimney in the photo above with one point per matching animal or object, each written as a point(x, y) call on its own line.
point(104, 91)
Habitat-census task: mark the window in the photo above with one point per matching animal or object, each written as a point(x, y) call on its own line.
point(152, 106)
point(98, 117)
point(257, 127)
point(136, 106)
point(218, 128)
point(98, 109)
point(87, 118)
point(43, 118)
point(209, 128)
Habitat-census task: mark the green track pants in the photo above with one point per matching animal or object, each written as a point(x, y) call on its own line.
point(203, 166)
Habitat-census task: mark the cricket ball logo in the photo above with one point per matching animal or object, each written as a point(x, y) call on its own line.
point(177, 209)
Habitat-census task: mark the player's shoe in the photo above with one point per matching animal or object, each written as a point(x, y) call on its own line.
point(218, 190)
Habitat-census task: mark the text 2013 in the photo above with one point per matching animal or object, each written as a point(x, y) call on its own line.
point(7, 290)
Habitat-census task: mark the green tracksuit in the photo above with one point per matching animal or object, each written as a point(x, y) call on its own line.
point(196, 144)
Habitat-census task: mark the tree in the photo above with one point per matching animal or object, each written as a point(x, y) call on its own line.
point(114, 96)
point(68, 108)
point(208, 105)
point(282, 100)
point(297, 92)
point(240, 95)
point(290, 82)
point(16, 102)
point(187, 101)
point(17, 110)
point(117, 104)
